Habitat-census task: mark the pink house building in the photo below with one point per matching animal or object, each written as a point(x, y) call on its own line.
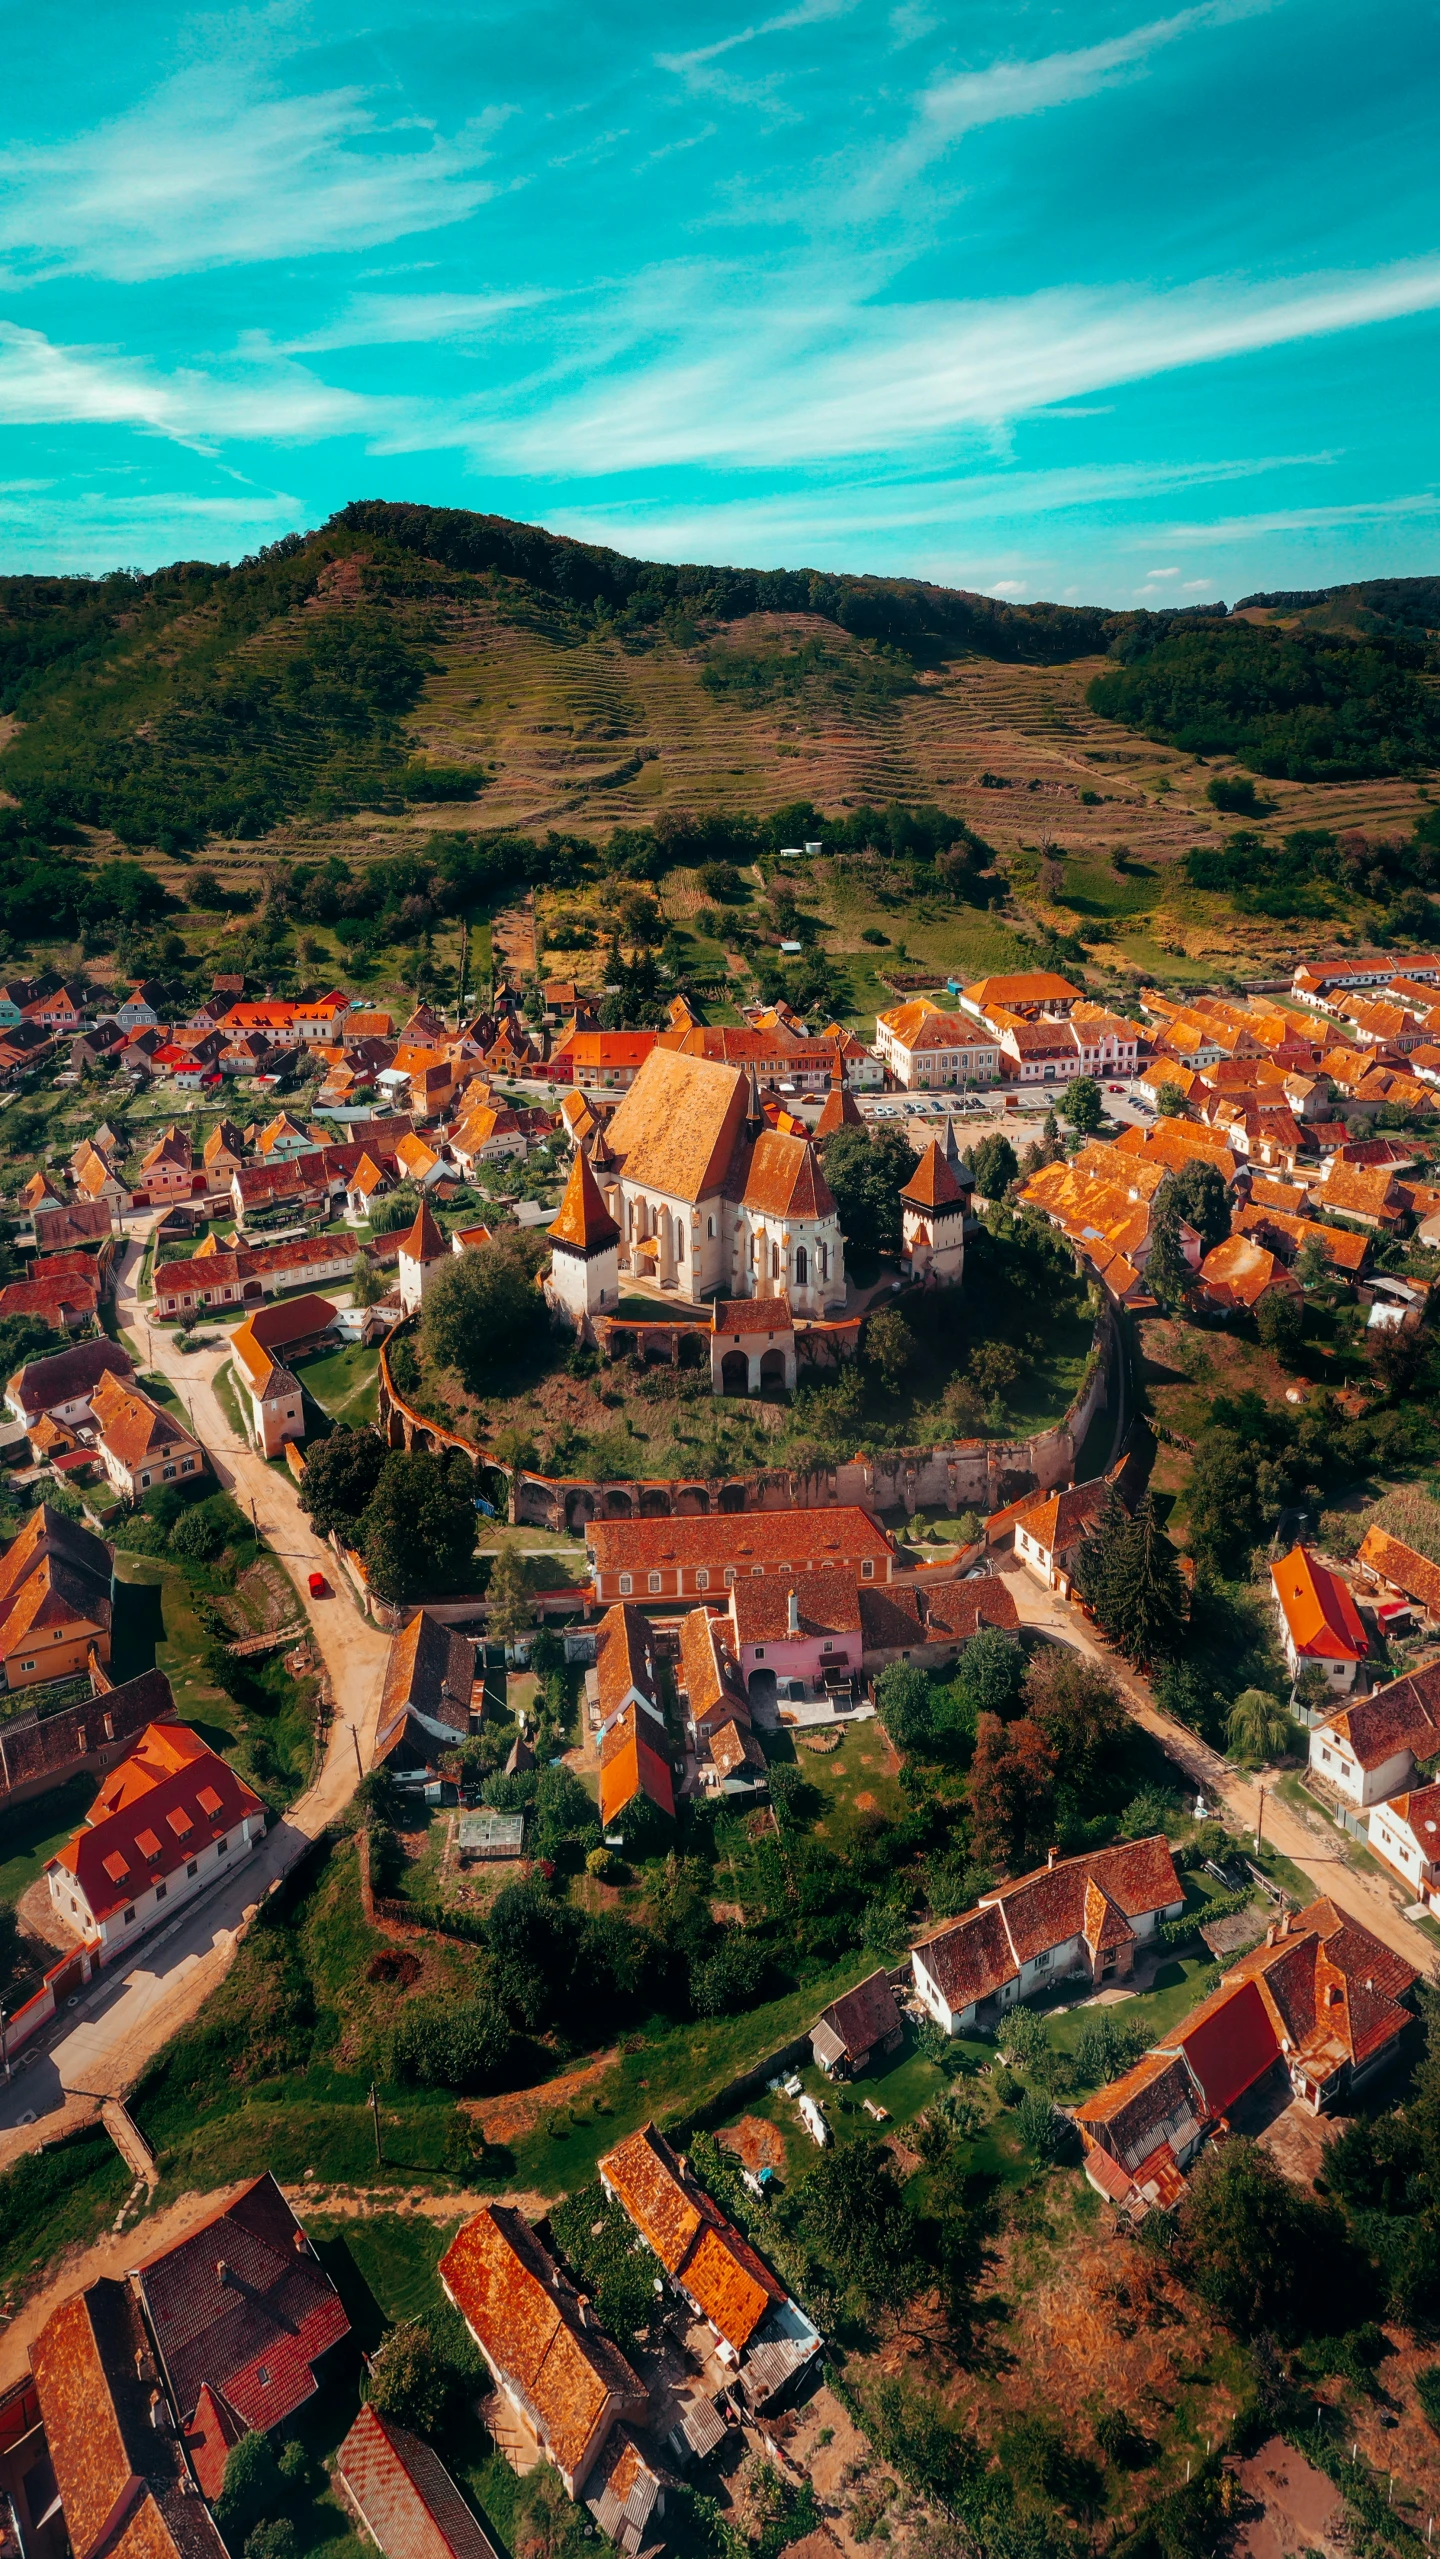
point(803, 1630)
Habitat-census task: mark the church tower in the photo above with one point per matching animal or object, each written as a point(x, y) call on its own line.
point(584, 1277)
point(932, 1218)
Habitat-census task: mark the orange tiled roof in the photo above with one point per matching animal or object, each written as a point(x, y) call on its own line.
point(785, 1178)
point(527, 2321)
point(933, 1185)
point(1399, 1564)
point(775, 1540)
point(584, 1222)
point(677, 1128)
point(690, 2236)
point(1404, 1715)
point(1323, 1619)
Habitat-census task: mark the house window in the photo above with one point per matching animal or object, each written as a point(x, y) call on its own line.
point(802, 1266)
point(729, 1577)
point(867, 1570)
point(187, 1465)
point(710, 1227)
point(626, 1585)
point(655, 1581)
point(756, 1570)
point(222, 1847)
point(27, 1665)
point(759, 1652)
point(145, 1479)
point(702, 1578)
point(160, 1891)
point(168, 1472)
point(130, 1916)
point(194, 1866)
point(1042, 1960)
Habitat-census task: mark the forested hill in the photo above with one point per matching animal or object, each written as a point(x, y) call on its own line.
point(405, 654)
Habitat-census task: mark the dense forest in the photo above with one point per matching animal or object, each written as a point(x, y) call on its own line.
point(1311, 706)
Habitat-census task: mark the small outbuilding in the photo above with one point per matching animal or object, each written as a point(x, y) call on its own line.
point(486, 1835)
point(857, 2029)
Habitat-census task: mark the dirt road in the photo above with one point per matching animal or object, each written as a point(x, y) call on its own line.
point(1324, 1866)
point(112, 2030)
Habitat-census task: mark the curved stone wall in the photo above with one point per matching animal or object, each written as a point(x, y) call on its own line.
point(966, 1474)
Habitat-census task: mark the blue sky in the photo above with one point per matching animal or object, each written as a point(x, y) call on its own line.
point(1069, 300)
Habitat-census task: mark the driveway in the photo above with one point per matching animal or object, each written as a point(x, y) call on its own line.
point(1326, 1868)
point(116, 2027)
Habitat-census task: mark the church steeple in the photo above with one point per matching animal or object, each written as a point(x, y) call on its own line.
point(755, 1120)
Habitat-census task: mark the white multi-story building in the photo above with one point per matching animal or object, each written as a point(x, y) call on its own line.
point(925, 1048)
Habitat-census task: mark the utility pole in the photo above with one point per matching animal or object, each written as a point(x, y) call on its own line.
point(375, 2111)
point(5, 2040)
point(359, 1763)
point(1259, 1819)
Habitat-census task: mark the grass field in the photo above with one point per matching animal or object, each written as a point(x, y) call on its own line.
point(343, 1382)
point(31, 1833)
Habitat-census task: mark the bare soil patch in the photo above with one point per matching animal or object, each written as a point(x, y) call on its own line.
point(507, 2119)
point(756, 2144)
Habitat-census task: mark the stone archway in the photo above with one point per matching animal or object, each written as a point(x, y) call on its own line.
point(732, 1497)
point(692, 1502)
point(654, 1505)
point(772, 1372)
point(735, 1373)
point(619, 1506)
point(579, 1509)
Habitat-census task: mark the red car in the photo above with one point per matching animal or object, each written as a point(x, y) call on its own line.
point(318, 1585)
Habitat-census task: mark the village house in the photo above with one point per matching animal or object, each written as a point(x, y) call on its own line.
point(1238, 1275)
point(116, 2467)
point(1031, 993)
point(634, 1747)
point(57, 1585)
point(1320, 1624)
point(1405, 1835)
point(168, 1820)
point(862, 2026)
point(65, 1304)
point(1050, 1529)
point(214, 1277)
point(1391, 1566)
point(604, 1061)
point(1370, 1751)
point(243, 2315)
point(926, 1049)
point(402, 2496)
point(258, 1348)
point(711, 1695)
point(1088, 1914)
point(752, 1345)
point(64, 1383)
point(142, 1007)
point(752, 2319)
point(432, 1699)
point(653, 1559)
point(41, 1752)
point(1321, 1999)
point(141, 1445)
point(566, 2385)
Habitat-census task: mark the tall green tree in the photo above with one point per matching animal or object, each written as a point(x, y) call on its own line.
point(867, 1175)
point(482, 1312)
point(1146, 1599)
point(1198, 1194)
point(1258, 1727)
point(995, 1166)
point(418, 1531)
point(1095, 1561)
point(340, 1479)
point(1083, 1105)
point(1167, 1273)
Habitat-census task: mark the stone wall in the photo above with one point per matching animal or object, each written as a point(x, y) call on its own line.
point(967, 1474)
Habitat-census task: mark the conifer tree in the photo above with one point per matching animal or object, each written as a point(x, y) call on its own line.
point(1145, 1594)
point(1095, 1562)
point(1167, 1272)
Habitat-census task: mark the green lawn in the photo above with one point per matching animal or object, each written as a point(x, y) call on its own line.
point(263, 1721)
point(858, 1768)
point(160, 1391)
point(31, 1833)
point(342, 1382)
point(227, 1398)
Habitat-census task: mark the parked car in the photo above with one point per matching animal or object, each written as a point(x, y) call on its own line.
point(318, 1585)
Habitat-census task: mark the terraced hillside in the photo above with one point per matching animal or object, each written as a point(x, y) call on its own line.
point(401, 671)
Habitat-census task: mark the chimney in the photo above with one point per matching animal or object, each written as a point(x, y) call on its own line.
point(1050, 1857)
point(222, 2271)
point(792, 1614)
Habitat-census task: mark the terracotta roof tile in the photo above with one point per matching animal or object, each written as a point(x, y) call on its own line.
point(406, 2500)
point(584, 1222)
point(691, 2236)
point(527, 2321)
point(1323, 1619)
point(1399, 1564)
point(677, 1128)
point(778, 1540)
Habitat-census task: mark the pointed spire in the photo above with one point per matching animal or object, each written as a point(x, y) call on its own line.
point(600, 1150)
point(755, 1120)
point(424, 1243)
point(584, 1222)
point(841, 1108)
point(932, 1185)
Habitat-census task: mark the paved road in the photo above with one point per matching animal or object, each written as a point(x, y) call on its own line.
point(1363, 1896)
point(101, 2044)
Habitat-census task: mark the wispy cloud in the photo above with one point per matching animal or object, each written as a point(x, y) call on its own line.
point(209, 171)
point(1304, 519)
point(1019, 87)
point(800, 382)
point(42, 384)
point(414, 319)
point(693, 66)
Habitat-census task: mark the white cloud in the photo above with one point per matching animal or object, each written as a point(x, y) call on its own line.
point(1306, 519)
point(209, 172)
point(413, 319)
point(746, 384)
point(45, 385)
point(693, 66)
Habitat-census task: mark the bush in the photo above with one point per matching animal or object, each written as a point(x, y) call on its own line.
point(251, 2485)
point(734, 1978)
point(605, 1866)
point(448, 2043)
point(1022, 2038)
point(1044, 2131)
point(409, 2381)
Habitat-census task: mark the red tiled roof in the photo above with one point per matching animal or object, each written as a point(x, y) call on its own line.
point(827, 1603)
point(144, 1830)
point(863, 2017)
point(1403, 1716)
point(738, 1316)
point(241, 2304)
point(402, 2492)
point(969, 1958)
point(1400, 1565)
point(933, 1185)
point(1323, 1619)
point(778, 1540)
point(119, 2473)
point(584, 1222)
point(786, 1178)
point(1228, 2042)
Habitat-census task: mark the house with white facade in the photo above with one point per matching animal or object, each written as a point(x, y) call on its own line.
point(1088, 1914)
point(1320, 1624)
point(1369, 1752)
point(926, 1048)
point(1405, 1835)
point(169, 1819)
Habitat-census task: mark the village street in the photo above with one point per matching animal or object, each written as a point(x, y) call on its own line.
point(1365, 1897)
point(110, 2031)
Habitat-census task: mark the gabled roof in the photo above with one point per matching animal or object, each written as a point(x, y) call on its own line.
point(709, 1672)
point(162, 1816)
point(43, 1383)
point(528, 2322)
point(1044, 1910)
point(826, 1603)
point(691, 2236)
point(429, 1672)
point(676, 1129)
point(1400, 1565)
point(406, 2500)
point(1405, 1715)
point(1323, 1619)
point(241, 2305)
point(773, 1539)
point(863, 2017)
point(47, 1532)
point(132, 1427)
point(119, 2473)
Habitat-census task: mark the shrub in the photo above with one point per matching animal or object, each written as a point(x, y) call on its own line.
point(251, 2485)
point(409, 2381)
point(1022, 2038)
point(1044, 2131)
point(448, 2043)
